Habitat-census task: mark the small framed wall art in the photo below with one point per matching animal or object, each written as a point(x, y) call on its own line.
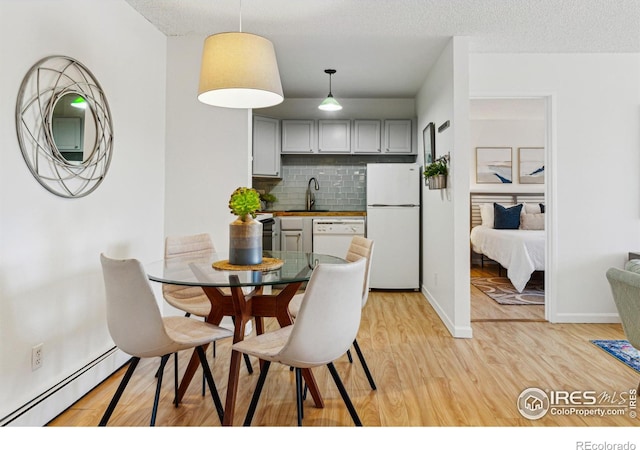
point(531, 165)
point(494, 165)
point(429, 142)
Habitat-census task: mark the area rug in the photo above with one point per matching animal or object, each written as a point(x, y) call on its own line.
point(502, 291)
point(621, 350)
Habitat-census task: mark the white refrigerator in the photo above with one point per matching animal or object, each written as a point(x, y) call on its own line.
point(393, 223)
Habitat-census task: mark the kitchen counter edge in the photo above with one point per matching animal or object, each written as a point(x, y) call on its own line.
point(318, 213)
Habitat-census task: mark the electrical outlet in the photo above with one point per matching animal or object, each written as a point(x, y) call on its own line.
point(36, 357)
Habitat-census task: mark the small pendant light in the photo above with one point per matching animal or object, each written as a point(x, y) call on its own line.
point(330, 103)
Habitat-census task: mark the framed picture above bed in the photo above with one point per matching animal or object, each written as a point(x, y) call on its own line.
point(531, 165)
point(494, 165)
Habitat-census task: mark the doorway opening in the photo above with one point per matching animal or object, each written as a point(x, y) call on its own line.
point(509, 139)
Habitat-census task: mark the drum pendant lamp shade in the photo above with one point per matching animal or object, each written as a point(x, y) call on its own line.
point(239, 70)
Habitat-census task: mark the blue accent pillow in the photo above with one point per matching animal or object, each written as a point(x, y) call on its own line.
point(506, 218)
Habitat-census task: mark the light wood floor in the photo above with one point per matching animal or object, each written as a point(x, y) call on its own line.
point(425, 377)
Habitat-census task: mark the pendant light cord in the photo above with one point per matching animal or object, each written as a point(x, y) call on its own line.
point(240, 16)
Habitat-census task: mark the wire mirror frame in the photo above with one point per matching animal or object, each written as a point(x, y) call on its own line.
point(45, 84)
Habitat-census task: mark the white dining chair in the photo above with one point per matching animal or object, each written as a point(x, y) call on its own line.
point(325, 327)
point(191, 299)
point(138, 329)
point(360, 247)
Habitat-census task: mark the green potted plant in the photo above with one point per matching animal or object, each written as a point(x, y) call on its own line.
point(245, 233)
point(436, 173)
point(268, 199)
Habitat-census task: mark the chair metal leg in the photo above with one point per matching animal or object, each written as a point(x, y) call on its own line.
point(133, 362)
point(156, 399)
point(364, 364)
point(175, 378)
point(299, 395)
point(343, 393)
point(349, 356)
point(256, 394)
point(247, 361)
point(212, 385)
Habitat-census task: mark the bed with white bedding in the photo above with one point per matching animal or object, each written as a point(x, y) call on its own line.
point(520, 249)
point(521, 252)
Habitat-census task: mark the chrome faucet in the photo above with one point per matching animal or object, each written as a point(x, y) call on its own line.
point(311, 198)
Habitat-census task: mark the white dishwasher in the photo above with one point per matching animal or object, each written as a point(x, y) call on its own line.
point(333, 236)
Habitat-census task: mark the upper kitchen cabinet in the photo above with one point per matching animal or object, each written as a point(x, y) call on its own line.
point(334, 136)
point(397, 136)
point(367, 136)
point(266, 147)
point(298, 136)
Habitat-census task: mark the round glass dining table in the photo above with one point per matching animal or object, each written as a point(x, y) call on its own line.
point(238, 292)
point(199, 271)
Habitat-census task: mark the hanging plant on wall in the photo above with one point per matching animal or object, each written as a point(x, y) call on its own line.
point(436, 173)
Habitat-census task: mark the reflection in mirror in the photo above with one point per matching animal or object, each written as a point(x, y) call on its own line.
point(74, 128)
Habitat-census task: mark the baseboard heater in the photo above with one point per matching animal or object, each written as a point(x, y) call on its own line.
point(48, 405)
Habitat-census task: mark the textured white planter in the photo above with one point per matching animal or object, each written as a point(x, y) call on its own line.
point(245, 242)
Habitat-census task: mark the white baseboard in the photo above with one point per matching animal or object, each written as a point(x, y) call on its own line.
point(456, 331)
point(48, 405)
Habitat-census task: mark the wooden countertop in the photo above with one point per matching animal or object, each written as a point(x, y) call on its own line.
point(317, 213)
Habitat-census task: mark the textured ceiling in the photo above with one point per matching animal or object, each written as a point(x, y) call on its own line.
point(384, 48)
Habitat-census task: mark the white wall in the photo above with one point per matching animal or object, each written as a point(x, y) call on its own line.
point(208, 150)
point(51, 288)
point(445, 250)
point(594, 163)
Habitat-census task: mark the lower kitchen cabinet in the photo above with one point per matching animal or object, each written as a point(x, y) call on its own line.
point(294, 232)
point(291, 241)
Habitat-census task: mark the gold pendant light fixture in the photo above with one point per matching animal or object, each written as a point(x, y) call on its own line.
point(330, 103)
point(239, 70)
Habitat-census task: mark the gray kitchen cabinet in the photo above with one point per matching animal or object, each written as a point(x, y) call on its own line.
point(298, 136)
point(292, 234)
point(397, 136)
point(291, 241)
point(366, 136)
point(334, 136)
point(266, 147)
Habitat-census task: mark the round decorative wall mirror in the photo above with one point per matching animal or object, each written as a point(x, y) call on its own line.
point(64, 126)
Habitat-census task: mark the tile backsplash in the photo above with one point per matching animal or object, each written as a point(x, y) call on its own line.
point(342, 180)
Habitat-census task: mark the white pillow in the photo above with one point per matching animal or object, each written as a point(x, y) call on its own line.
point(532, 221)
point(486, 213)
point(531, 208)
